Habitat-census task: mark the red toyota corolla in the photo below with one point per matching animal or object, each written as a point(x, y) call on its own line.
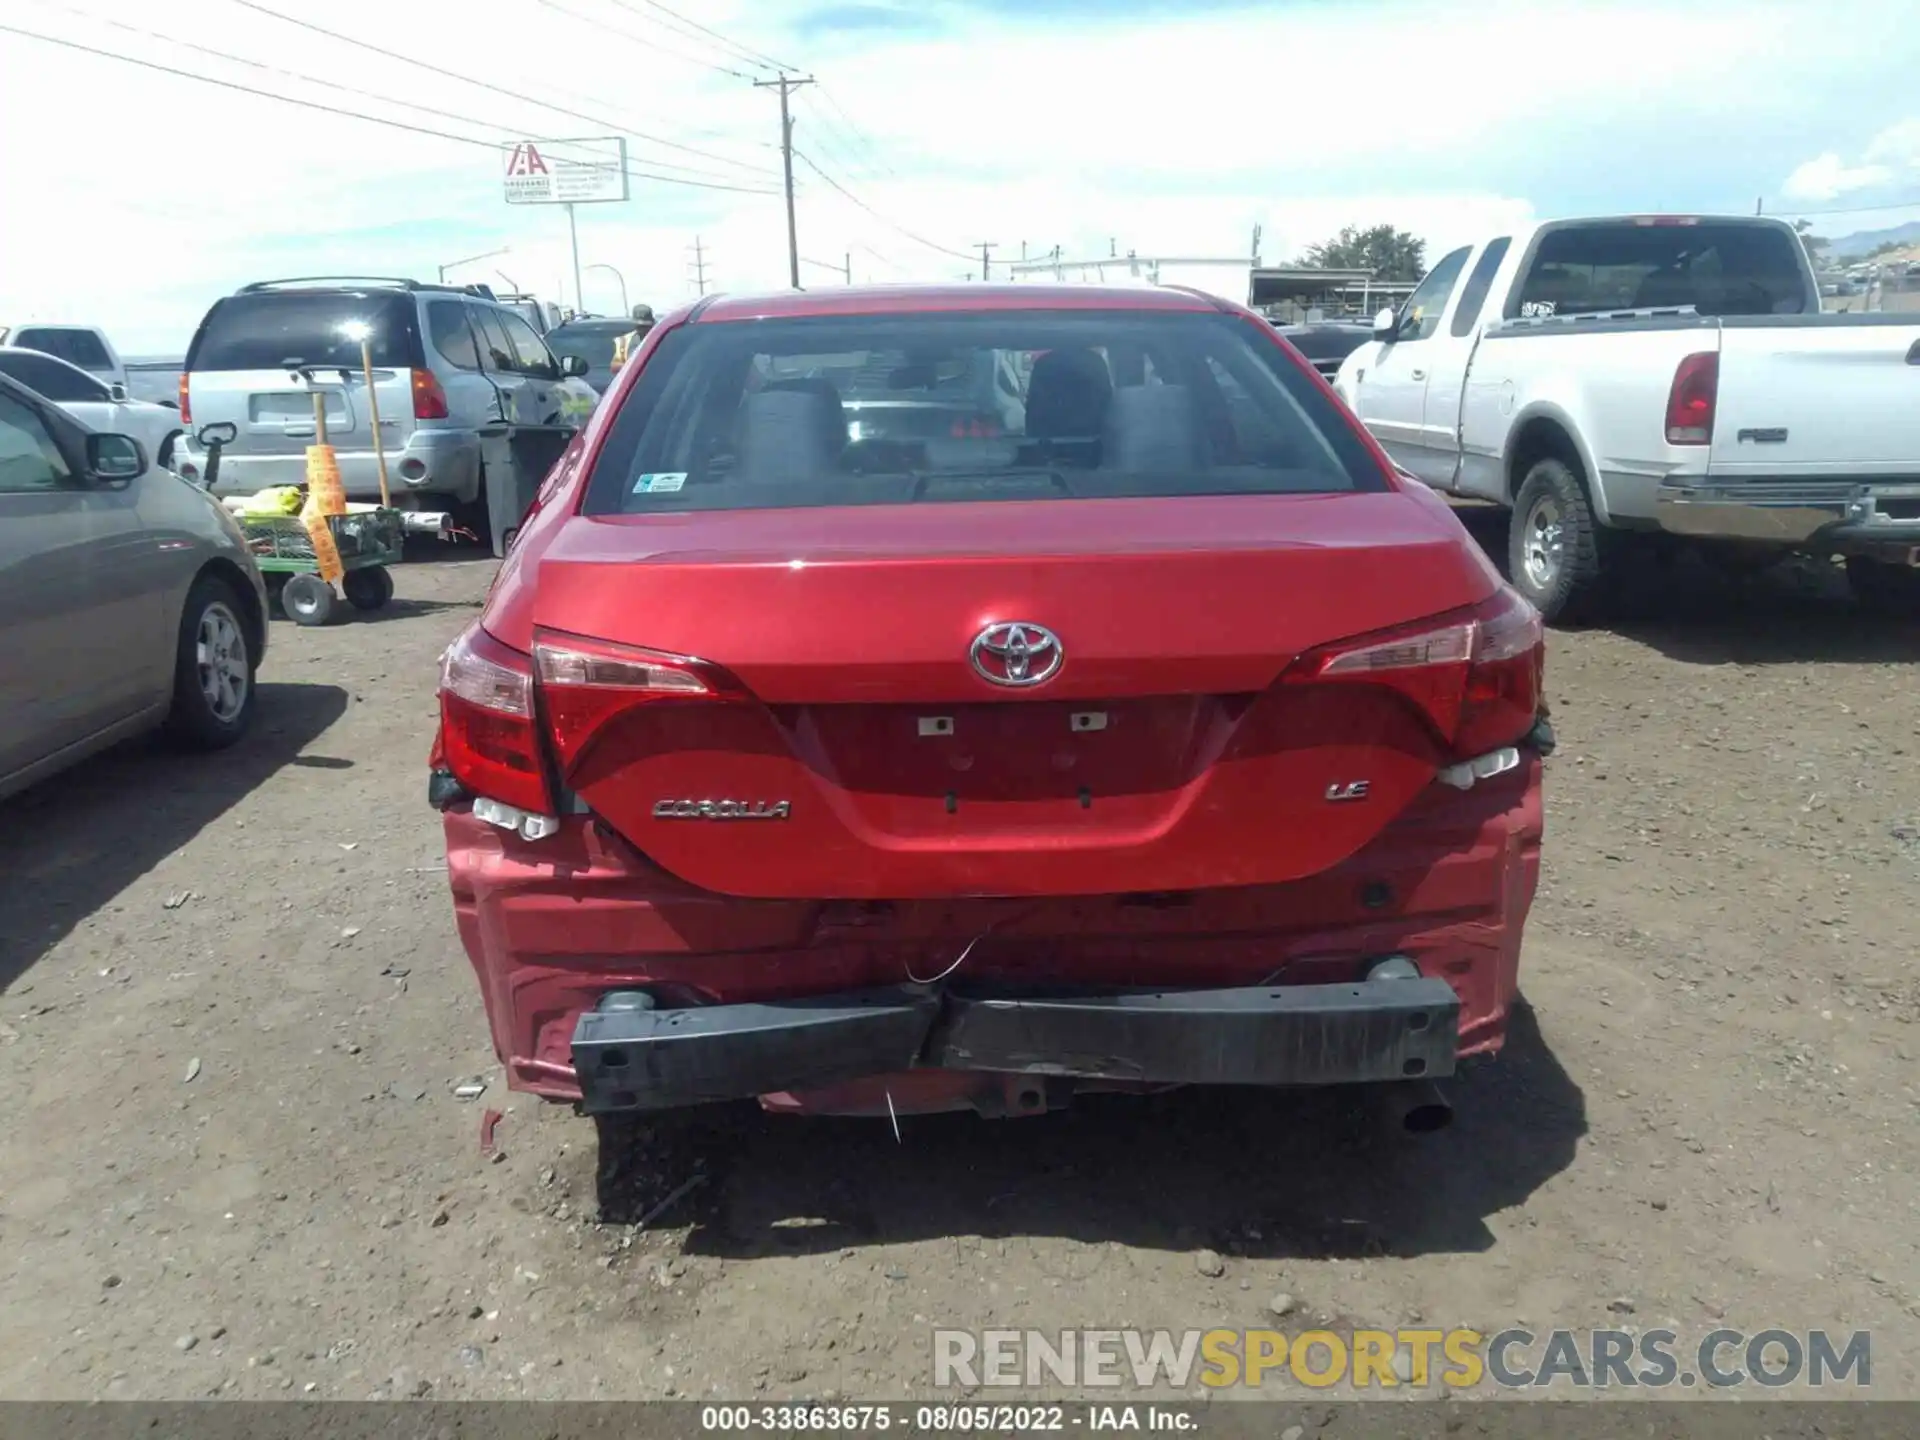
point(938, 698)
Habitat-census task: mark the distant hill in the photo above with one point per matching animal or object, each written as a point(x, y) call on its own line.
point(1865, 242)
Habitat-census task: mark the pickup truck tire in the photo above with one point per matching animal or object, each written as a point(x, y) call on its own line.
point(1884, 588)
point(1555, 546)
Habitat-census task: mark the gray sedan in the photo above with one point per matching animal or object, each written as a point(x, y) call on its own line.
point(128, 599)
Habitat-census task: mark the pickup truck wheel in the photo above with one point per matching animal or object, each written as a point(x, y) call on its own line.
point(1554, 544)
point(1884, 588)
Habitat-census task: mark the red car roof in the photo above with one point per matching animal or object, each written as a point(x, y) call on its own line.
point(891, 299)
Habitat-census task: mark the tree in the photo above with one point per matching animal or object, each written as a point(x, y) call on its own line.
point(1388, 253)
point(1814, 243)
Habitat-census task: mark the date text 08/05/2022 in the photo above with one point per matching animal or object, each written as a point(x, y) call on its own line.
point(946, 1419)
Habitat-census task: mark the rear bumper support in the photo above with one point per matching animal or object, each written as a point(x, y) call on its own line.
point(1846, 514)
point(1370, 1031)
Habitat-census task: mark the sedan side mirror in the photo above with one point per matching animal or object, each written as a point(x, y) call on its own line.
point(573, 367)
point(116, 391)
point(1385, 325)
point(115, 460)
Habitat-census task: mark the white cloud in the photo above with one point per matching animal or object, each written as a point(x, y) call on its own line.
point(1169, 134)
point(1888, 156)
point(1897, 146)
point(1826, 177)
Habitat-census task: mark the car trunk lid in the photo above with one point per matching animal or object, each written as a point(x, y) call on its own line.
point(855, 750)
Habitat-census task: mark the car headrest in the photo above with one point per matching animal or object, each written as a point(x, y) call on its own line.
point(1067, 394)
point(1152, 427)
point(793, 429)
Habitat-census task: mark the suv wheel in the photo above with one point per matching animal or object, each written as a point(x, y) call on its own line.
point(213, 689)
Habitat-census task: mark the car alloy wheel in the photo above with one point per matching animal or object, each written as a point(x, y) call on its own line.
point(1543, 543)
point(220, 655)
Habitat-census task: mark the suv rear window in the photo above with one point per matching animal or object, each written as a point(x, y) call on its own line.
point(1718, 269)
point(591, 340)
point(273, 330)
point(76, 347)
point(926, 407)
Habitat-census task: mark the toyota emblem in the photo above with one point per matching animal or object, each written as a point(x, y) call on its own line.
point(1016, 653)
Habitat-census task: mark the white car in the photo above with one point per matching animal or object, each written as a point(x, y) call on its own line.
point(95, 403)
point(84, 345)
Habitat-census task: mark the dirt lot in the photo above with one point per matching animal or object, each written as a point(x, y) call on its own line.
point(234, 1011)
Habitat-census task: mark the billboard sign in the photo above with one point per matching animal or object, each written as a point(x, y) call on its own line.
point(565, 172)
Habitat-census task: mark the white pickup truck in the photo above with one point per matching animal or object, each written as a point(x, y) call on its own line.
point(1624, 381)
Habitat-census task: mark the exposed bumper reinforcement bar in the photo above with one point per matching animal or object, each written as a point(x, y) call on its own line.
point(1373, 1030)
point(1846, 514)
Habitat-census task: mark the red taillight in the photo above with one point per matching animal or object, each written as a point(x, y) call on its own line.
point(586, 683)
point(1696, 386)
point(487, 736)
point(429, 400)
point(186, 409)
point(1477, 675)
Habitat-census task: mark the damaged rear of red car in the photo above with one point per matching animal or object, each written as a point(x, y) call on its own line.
point(1138, 727)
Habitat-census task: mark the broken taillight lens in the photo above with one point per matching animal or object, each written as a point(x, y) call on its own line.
point(585, 683)
point(487, 737)
point(1476, 675)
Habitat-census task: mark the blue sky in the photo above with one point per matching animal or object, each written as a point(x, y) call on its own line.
point(1162, 125)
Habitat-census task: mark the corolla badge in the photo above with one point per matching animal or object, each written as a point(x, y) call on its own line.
point(722, 809)
point(1016, 652)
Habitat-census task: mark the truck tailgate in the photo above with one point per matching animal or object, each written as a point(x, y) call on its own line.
point(1832, 395)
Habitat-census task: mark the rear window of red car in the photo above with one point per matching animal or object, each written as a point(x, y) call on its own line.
point(937, 407)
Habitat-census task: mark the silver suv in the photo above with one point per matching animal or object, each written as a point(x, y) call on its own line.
point(446, 360)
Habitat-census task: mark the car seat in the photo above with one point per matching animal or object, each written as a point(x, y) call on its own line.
point(792, 430)
point(1067, 395)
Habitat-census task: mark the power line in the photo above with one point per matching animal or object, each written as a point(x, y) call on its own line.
point(650, 45)
point(753, 57)
point(804, 159)
point(1913, 204)
point(393, 124)
point(842, 151)
point(455, 75)
point(287, 74)
point(864, 140)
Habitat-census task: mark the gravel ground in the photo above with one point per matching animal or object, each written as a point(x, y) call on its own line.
point(235, 1013)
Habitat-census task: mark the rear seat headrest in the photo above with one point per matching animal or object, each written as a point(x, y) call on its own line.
point(1152, 427)
point(794, 429)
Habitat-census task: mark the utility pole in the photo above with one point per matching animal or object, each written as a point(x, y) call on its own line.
point(699, 266)
point(1256, 245)
point(987, 247)
point(785, 84)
